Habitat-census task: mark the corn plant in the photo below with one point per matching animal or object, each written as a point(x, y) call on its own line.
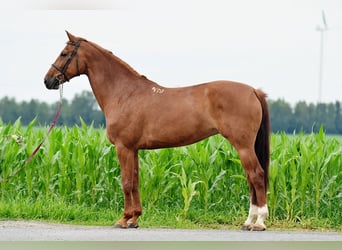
point(77, 167)
point(188, 190)
point(305, 178)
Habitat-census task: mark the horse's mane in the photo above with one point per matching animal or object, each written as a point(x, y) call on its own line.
point(105, 51)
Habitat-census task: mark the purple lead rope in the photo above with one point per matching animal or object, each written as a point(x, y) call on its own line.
point(42, 142)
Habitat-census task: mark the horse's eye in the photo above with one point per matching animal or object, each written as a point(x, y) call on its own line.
point(63, 54)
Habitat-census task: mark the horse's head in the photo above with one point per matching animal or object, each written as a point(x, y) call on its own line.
point(66, 65)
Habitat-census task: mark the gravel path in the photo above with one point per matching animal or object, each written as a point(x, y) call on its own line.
point(41, 231)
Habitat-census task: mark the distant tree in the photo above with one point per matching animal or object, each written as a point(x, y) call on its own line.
point(85, 105)
point(29, 110)
point(281, 116)
point(302, 116)
point(330, 119)
point(338, 118)
point(9, 110)
point(325, 116)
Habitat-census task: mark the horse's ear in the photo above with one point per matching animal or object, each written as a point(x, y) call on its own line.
point(71, 37)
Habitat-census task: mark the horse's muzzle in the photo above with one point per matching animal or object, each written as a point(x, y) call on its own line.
point(52, 83)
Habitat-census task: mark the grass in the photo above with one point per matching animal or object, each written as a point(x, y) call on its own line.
point(75, 178)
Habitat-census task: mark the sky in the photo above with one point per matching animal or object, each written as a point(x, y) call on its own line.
point(269, 44)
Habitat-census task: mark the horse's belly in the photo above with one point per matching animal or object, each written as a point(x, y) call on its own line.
point(173, 137)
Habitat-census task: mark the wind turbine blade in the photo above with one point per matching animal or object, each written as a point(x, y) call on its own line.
point(324, 20)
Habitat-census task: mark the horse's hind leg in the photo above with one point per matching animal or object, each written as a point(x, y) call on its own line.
point(243, 141)
point(258, 210)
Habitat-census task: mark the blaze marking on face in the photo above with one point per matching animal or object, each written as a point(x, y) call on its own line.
point(158, 90)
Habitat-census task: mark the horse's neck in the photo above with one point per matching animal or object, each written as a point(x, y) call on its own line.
point(112, 80)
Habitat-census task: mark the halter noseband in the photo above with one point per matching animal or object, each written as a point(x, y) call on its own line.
point(66, 65)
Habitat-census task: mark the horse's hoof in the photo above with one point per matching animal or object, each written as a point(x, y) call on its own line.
point(133, 224)
point(118, 225)
point(247, 227)
point(253, 227)
point(257, 227)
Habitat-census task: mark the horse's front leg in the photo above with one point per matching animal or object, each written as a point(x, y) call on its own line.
point(129, 171)
point(137, 209)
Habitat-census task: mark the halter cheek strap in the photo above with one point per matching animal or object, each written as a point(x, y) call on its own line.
point(66, 65)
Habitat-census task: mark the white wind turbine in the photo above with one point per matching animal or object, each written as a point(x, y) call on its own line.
point(321, 29)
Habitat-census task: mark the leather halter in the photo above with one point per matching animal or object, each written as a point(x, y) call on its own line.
point(66, 65)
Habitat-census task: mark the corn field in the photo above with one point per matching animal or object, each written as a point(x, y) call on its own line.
point(77, 166)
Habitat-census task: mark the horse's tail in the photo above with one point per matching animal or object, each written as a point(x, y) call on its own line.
point(262, 143)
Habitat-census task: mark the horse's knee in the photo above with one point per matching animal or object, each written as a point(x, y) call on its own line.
point(127, 187)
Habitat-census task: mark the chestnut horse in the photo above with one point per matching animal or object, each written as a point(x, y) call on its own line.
point(140, 114)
